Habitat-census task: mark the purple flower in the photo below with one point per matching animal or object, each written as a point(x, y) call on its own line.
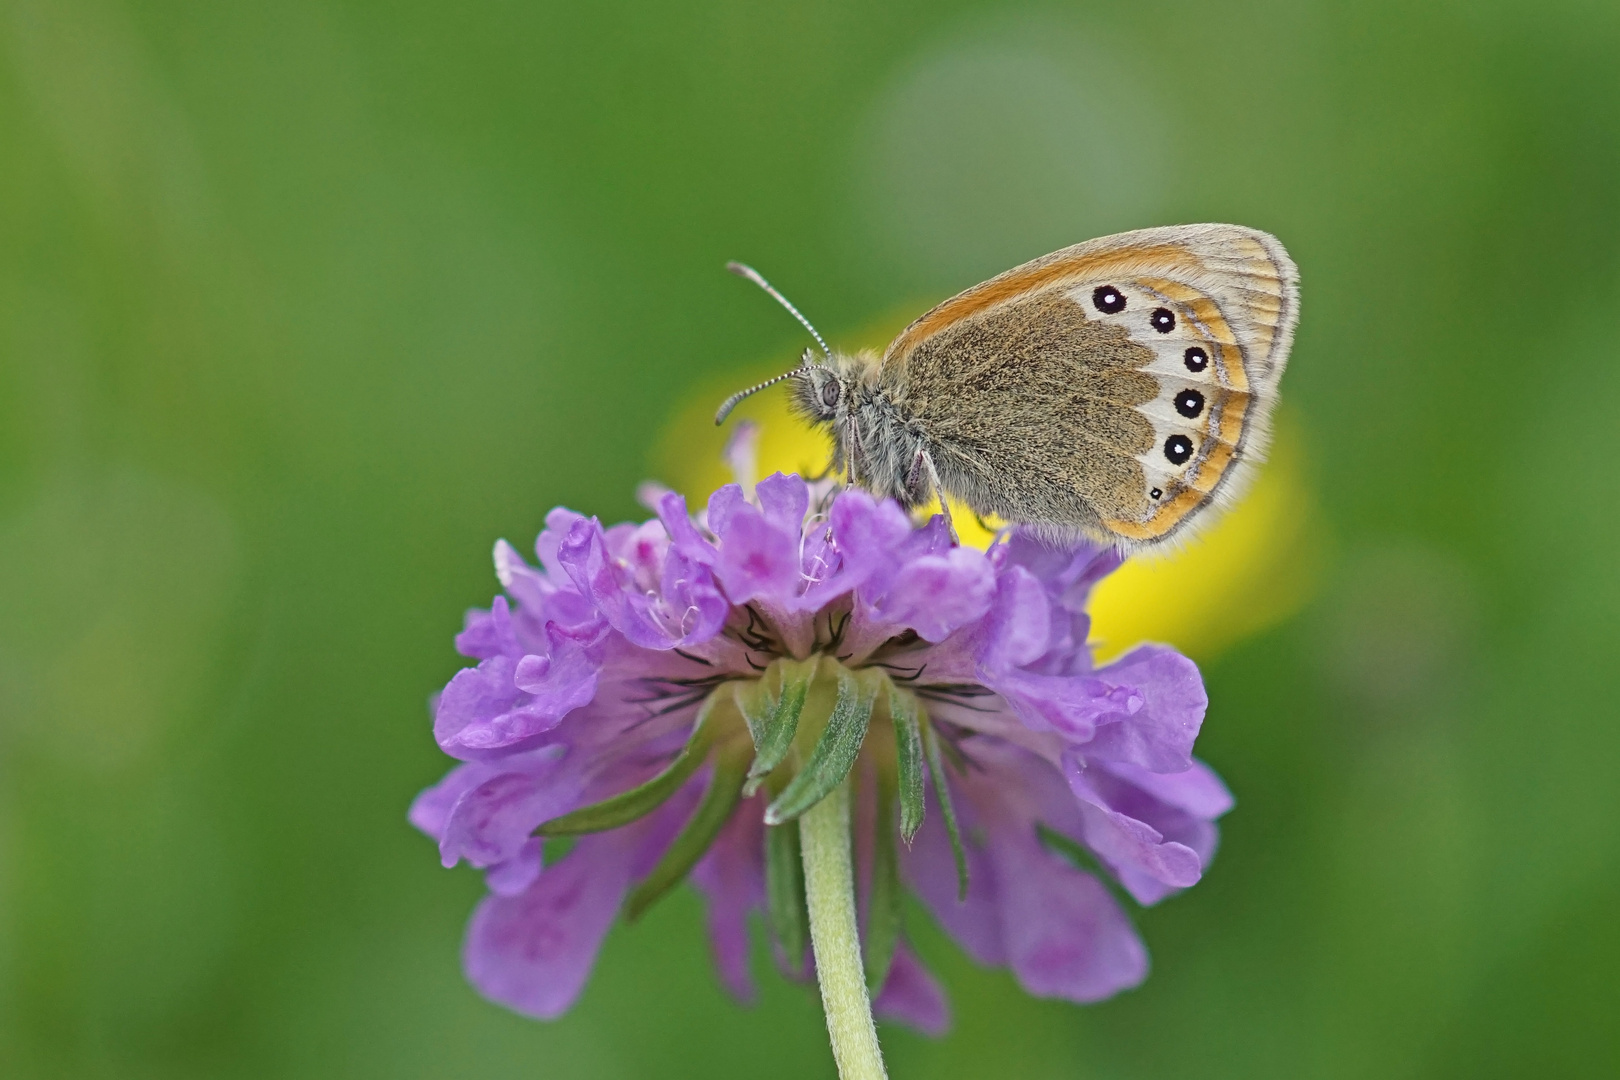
point(665, 690)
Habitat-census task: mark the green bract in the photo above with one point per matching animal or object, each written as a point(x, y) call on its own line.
point(798, 731)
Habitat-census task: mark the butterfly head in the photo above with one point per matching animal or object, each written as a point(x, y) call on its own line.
point(830, 389)
point(840, 395)
point(822, 391)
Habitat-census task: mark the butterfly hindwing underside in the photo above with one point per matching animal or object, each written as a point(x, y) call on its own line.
point(1115, 387)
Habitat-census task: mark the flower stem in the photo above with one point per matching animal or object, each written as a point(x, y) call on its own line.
point(829, 886)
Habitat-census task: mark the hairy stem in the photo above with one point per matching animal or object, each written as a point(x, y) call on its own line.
point(829, 886)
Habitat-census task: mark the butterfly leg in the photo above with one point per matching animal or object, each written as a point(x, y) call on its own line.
point(914, 474)
point(939, 492)
point(852, 451)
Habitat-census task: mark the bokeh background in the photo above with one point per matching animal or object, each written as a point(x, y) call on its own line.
point(303, 304)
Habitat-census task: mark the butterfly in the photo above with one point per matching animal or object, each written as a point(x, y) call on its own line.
point(1115, 389)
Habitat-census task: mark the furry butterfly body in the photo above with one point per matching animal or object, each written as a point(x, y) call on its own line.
point(1116, 389)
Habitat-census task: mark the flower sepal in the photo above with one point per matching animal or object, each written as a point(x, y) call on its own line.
point(724, 792)
point(838, 742)
point(772, 706)
point(712, 728)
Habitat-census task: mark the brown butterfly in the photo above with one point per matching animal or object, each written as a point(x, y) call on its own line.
point(1113, 389)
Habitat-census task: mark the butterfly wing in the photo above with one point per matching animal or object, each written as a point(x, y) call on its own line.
point(1116, 387)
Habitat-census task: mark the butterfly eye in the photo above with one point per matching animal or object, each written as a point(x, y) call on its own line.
point(1109, 300)
point(1195, 358)
point(1163, 320)
point(829, 395)
point(1178, 448)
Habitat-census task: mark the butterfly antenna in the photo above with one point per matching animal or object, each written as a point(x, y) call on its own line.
point(731, 402)
point(744, 271)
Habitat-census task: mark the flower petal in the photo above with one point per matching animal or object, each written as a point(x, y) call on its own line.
point(784, 500)
point(691, 597)
point(520, 580)
point(479, 638)
point(732, 879)
point(1071, 705)
point(516, 874)
point(584, 554)
point(1068, 573)
point(559, 522)
point(936, 594)
point(1158, 734)
point(1065, 936)
point(612, 584)
point(483, 712)
point(684, 535)
point(490, 823)
point(867, 526)
point(430, 810)
point(724, 504)
point(1196, 790)
point(912, 996)
point(866, 534)
point(757, 559)
point(930, 869)
point(533, 952)
point(1123, 840)
point(1016, 629)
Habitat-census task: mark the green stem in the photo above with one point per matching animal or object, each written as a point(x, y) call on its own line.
point(829, 886)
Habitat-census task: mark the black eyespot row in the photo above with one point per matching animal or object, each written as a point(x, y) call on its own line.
point(1109, 300)
point(1178, 448)
point(1189, 403)
point(1155, 493)
point(1163, 320)
point(1195, 358)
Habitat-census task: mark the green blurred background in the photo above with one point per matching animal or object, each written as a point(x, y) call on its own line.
point(303, 304)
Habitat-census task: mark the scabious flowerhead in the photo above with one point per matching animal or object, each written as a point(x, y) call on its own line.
point(675, 693)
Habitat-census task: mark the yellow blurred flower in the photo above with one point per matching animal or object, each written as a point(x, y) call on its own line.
point(1254, 567)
